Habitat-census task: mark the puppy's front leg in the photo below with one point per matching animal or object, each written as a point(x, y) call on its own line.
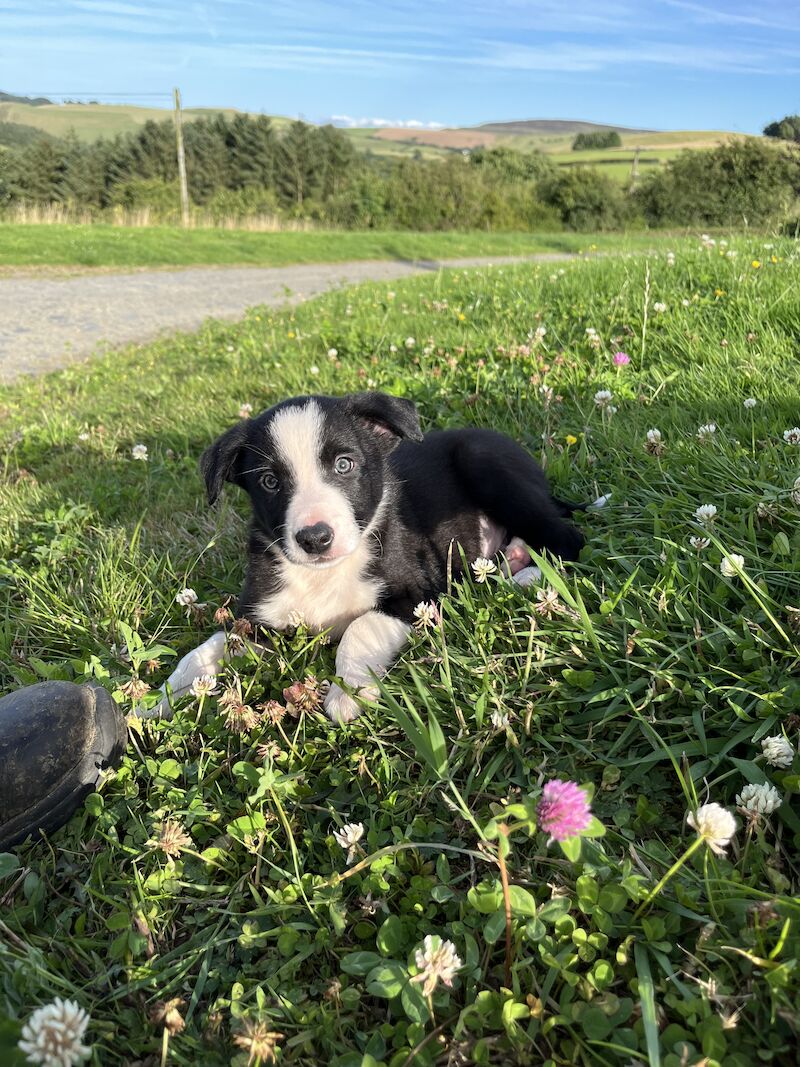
point(205, 659)
point(368, 647)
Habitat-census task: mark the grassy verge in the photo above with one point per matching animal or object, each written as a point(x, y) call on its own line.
point(120, 246)
point(206, 870)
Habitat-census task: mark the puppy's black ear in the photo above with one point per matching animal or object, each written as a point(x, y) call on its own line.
point(218, 462)
point(388, 416)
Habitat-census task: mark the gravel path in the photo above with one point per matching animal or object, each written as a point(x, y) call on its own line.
point(46, 323)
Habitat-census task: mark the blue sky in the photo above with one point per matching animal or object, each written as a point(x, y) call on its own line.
point(668, 64)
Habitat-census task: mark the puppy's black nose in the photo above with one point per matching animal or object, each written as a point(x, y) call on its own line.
point(316, 538)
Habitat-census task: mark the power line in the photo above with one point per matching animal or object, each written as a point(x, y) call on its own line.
point(94, 95)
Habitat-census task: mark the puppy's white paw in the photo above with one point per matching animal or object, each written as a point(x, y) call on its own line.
point(339, 706)
point(527, 576)
point(162, 710)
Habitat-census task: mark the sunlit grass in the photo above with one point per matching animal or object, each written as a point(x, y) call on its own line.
point(651, 677)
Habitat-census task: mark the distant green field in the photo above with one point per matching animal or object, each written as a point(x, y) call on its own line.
point(121, 246)
point(92, 121)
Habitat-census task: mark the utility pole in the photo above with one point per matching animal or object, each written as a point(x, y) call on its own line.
point(635, 167)
point(181, 159)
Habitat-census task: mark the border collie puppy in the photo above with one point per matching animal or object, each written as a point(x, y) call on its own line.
point(356, 517)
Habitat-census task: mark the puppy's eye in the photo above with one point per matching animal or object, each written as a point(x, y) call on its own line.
point(343, 465)
point(269, 482)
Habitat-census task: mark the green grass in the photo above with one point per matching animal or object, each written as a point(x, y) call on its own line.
point(121, 246)
point(653, 681)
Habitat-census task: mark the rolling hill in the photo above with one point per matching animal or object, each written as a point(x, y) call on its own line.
point(554, 137)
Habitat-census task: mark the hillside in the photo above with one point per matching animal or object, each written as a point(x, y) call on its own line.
point(554, 137)
point(553, 126)
point(91, 121)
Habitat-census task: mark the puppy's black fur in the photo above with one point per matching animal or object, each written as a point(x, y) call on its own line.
point(413, 497)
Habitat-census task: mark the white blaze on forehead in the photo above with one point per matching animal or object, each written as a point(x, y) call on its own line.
point(297, 434)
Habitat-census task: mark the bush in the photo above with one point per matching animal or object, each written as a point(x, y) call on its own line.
point(162, 199)
point(788, 129)
point(584, 199)
point(741, 183)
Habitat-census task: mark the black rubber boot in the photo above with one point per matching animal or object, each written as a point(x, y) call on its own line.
point(55, 740)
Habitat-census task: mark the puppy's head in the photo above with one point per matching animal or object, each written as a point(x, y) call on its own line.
point(314, 468)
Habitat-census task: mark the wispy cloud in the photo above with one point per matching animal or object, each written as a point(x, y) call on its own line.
point(460, 60)
point(580, 57)
point(764, 20)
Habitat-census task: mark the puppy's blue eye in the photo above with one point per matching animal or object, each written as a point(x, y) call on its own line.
point(269, 482)
point(343, 465)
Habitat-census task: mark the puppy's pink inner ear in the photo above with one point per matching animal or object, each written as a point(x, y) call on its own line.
point(380, 429)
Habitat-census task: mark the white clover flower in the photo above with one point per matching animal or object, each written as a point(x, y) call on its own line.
point(795, 494)
point(778, 752)
point(296, 618)
point(715, 825)
point(731, 565)
point(500, 720)
point(482, 568)
point(186, 598)
point(731, 253)
point(410, 342)
point(707, 431)
point(602, 398)
point(348, 838)
point(333, 353)
point(759, 799)
point(547, 603)
point(792, 437)
point(53, 1036)
point(205, 685)
point(426, 614)
point(655, 442)
point(591, 331)
point(245, 411)
point(686, 303)
point(659, 307)
point(314, 370)
point(83, 436)
point(540, 332)
point(750, 403)
point(706, 513)
point(140, 452)
point(437, 960)
point(699, 543)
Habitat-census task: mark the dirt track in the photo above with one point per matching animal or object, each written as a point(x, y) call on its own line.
point(47, 322)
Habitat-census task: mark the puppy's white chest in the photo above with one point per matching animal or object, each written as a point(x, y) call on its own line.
point(321, 598)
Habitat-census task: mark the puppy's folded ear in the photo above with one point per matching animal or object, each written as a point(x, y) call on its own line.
point(388, 416)
point(219, 462)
